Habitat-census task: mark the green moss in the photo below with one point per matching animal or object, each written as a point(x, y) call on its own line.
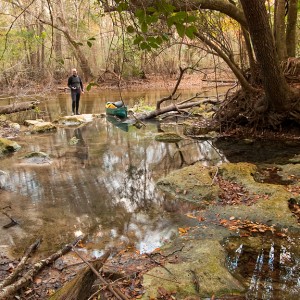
point(36, 154)
point(7, 146)
point(195, 260)
point(193, 183)
point(168, 137)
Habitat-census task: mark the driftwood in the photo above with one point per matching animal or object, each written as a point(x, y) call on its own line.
point(219, 80)
point(9, 280)
point(80, 286)
point(18, 106)
point(33, 271)
point(179, 107)
point(169, 108)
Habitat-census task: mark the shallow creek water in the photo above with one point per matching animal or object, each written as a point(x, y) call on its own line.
point(104, 186)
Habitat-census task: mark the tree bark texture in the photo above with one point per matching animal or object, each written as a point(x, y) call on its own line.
point(291, 28)
point(275, 86)
point(222, 6)
point(279, 29)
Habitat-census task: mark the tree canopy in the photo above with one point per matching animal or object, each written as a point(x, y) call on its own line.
point(41, 40)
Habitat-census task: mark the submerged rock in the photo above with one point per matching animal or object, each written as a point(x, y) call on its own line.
point(8, 146)
point(197, 183)
point(39, 126)
point(202, 258)
point(168, 137)
point(36, 158)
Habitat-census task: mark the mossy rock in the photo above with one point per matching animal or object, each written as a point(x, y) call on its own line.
point(196, 261)
point(33, 122)
point(295, 159)
point(192, 129)
point(168, 137)
point(8, 146)
point(75, 120)
point(42, 127)
point(193, 183)
point(36, 158)
point(36, 154)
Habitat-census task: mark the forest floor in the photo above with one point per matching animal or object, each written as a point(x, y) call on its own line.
point(153, 82)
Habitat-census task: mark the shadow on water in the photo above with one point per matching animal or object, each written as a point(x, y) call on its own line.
point(261, 151)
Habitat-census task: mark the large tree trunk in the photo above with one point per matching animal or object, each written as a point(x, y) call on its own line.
point(234, 68)
point(279, 29)
point(276, 89)
point(77, 50)
point(291, 28)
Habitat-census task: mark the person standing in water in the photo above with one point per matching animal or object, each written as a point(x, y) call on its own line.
point(76, 86)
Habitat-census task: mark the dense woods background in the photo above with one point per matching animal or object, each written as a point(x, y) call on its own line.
point(41, 40)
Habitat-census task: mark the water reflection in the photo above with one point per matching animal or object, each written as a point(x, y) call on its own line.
point(103, 183)
point(270, 267)
point(82, 150)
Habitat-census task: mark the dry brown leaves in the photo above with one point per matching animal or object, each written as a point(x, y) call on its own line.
point(247, 228)
point(235, 194)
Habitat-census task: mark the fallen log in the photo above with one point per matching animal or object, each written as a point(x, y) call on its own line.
point(169, 108)
point(80, 286)
point(219, 80)
point(9, 280)
point(18, 106)
point(33, 271)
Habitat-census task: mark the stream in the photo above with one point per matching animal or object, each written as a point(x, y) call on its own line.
point(104, 187)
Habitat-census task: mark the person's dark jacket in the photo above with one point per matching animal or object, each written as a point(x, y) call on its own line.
point(75, 83)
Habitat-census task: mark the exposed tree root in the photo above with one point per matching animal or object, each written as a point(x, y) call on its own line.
point(249, 110)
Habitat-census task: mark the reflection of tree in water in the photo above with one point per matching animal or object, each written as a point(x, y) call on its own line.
point(187, 152)
point(269, 266)
point(134, 186)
